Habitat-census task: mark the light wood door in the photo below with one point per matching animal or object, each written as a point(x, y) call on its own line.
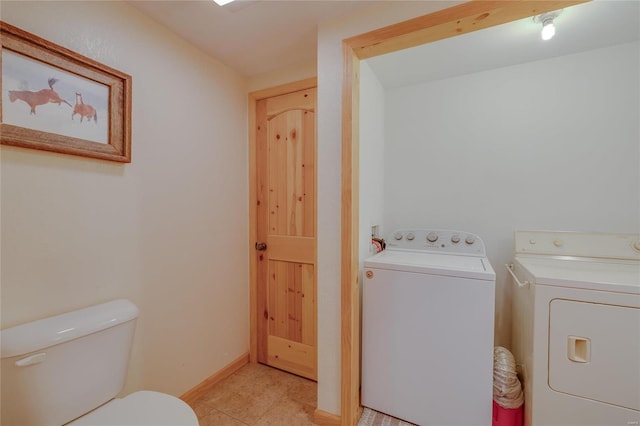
point(286, 216)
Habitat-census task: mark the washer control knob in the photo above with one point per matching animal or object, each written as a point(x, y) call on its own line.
point(470, 240)
point(397, 235)
point(455, 238)
point(636, 246)
point(410, 236)
point(558, 243)
point(432, 237)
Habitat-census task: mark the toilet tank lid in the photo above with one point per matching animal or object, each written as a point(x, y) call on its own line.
point(41, 334)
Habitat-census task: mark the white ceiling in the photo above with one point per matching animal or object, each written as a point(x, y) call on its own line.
point(579, 28)
point(257, 36)
point(251, 36)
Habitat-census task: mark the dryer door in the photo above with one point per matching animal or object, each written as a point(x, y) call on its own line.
point(594, 351)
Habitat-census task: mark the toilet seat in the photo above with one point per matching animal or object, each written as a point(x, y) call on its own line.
point(142, 408)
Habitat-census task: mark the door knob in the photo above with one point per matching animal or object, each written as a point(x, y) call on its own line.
point(261, 246)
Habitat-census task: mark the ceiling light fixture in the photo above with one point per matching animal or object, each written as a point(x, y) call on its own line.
point(546, 19)
point(223, 2)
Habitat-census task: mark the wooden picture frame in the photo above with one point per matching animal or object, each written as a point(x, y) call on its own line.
point(54, 99)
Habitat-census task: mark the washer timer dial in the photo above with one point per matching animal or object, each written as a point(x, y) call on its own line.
point(432, 237)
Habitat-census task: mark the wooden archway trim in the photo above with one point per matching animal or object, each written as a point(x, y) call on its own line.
point(461, 19)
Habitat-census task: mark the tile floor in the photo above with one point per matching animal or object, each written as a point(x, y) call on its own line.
point(257, 395)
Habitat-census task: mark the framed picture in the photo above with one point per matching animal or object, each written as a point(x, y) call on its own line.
point(57, 100)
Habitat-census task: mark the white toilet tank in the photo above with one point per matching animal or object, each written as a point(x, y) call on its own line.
point(57, 369)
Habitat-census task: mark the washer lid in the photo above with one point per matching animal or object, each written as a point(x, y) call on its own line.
point(143, 408)
point(621, 276)
point(434, 264)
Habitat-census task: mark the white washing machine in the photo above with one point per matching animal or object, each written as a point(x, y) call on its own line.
point(576, 327)
point(427, 337)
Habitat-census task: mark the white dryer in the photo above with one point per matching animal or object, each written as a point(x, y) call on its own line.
point(427, 338)
point(576, 327)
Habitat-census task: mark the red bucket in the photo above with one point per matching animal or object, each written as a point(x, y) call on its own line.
point(506, 416)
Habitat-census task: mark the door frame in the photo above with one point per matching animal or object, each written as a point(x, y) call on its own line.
point(445, 23)
point(254, 97)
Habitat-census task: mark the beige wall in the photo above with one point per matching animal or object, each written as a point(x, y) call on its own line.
point(168, 231)
point(283, 76)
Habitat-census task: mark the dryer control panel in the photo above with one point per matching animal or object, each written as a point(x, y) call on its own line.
point(437, 241)
point(581, 244)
